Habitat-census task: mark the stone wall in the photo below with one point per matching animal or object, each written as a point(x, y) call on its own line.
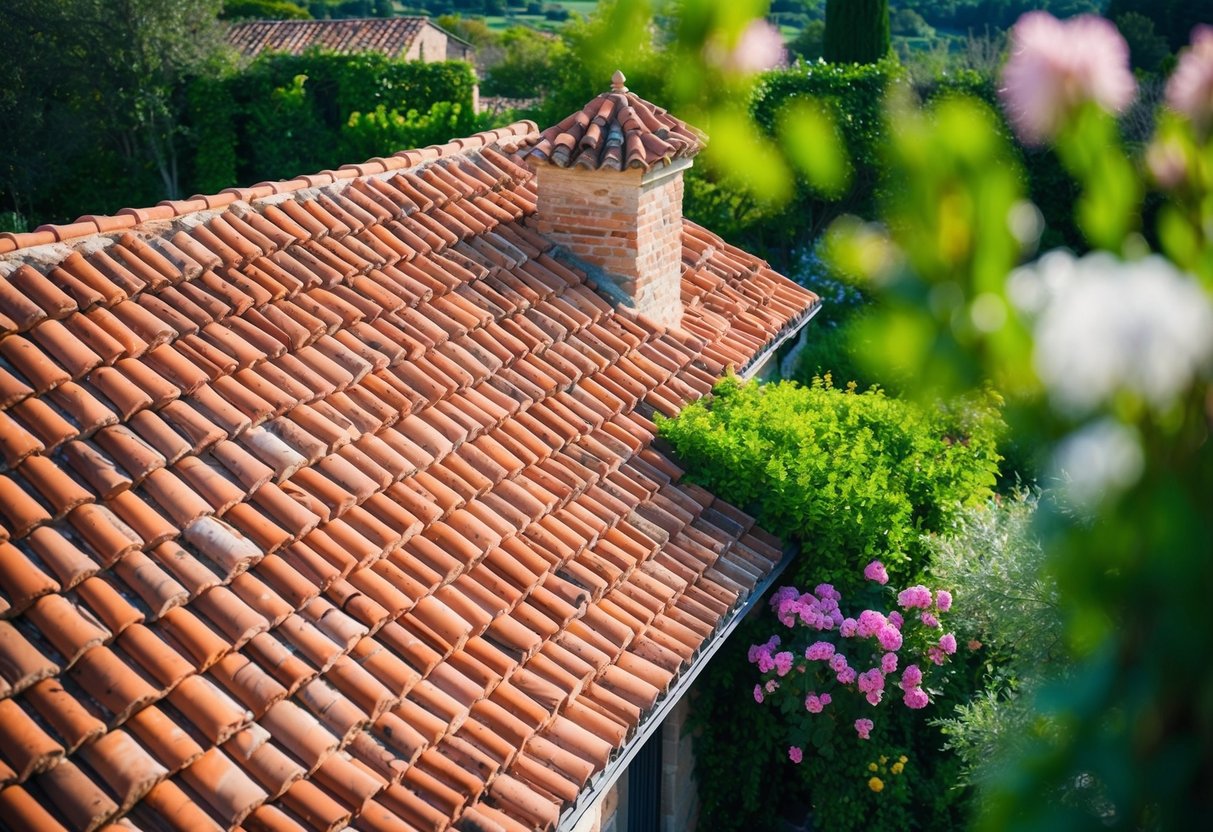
point(679, 791)
point(430, 45)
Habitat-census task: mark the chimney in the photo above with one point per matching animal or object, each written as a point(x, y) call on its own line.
point(610, 192)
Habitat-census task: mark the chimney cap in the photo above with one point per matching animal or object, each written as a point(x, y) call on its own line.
point(617, 130)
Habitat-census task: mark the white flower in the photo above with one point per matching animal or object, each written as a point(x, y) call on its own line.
point(1103, 326)
point(1097, 461)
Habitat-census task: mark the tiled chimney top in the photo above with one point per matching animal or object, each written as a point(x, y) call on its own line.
point(610, 193)
point(617, 130)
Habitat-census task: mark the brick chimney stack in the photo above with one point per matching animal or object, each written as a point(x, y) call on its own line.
point(610, 192)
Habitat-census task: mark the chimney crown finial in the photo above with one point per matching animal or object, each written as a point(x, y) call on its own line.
point(617, 82)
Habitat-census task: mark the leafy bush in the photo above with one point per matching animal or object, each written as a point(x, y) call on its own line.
point(284, 115)
point(1010, 606)
point(263, 10)
point(369, 134)
point(851, 476)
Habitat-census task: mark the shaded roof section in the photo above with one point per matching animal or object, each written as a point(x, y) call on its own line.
point(617, 130)
point(392, 35)
point(333, 500)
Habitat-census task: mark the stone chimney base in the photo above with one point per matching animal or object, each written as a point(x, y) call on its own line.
point(626, 223)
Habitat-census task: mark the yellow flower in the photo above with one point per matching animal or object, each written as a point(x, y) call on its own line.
point(876, 784)
point(883, 759)
point(903, 759)
point(871, 766)
point(897, 768)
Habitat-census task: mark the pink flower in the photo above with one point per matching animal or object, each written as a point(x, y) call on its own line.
point(848, 627)
point(864, 727)
point(875, 571)
point(916, 699)
point(828, 594)
point(896, 620)
point(943, 600)
point(846, 676)
point(870, 623)
point(758, 697)
point(1058, 65)
point(947, 643)
point(814, 703)
point(819, 651)
point(871, 681)
point(772, 686)
point(826, 699)
point(935, 655)
point(888, 663)
point(915, 596)
point(759, 47)
point(795, 754)
point(929, 620)
point(1190, 88)
point(838, 663)
point(889, 638)
point(911, 677)
point(783, 662)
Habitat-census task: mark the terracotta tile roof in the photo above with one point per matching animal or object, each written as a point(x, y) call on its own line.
point(617, 130)
point(392, 35)
point(332, 501)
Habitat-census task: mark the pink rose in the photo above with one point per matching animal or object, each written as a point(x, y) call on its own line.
point(947, 643)
point(943, 600)
point(889, 638)
point(915, 596)
point(875, 571)
point(864, 727)
point(795, 754)
point(758, 697)
point(916, 699)
point(888, 663)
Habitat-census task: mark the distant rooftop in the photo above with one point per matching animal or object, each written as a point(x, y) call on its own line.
point(397, 37)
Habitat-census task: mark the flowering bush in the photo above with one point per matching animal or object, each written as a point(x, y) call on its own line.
point(822, 656)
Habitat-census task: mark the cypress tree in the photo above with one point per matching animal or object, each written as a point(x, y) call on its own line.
point(857, 31)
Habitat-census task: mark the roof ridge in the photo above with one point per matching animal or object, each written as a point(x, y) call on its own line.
point(127, 219)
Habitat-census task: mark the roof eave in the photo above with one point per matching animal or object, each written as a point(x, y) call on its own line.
point(600, 783)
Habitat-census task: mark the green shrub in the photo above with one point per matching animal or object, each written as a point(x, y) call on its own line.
point(263, 10)
point(1011, 606)
point(851, 476)
point(284, 115)
point(857, 31)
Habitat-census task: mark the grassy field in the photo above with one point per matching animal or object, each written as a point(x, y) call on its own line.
point(538, 21)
